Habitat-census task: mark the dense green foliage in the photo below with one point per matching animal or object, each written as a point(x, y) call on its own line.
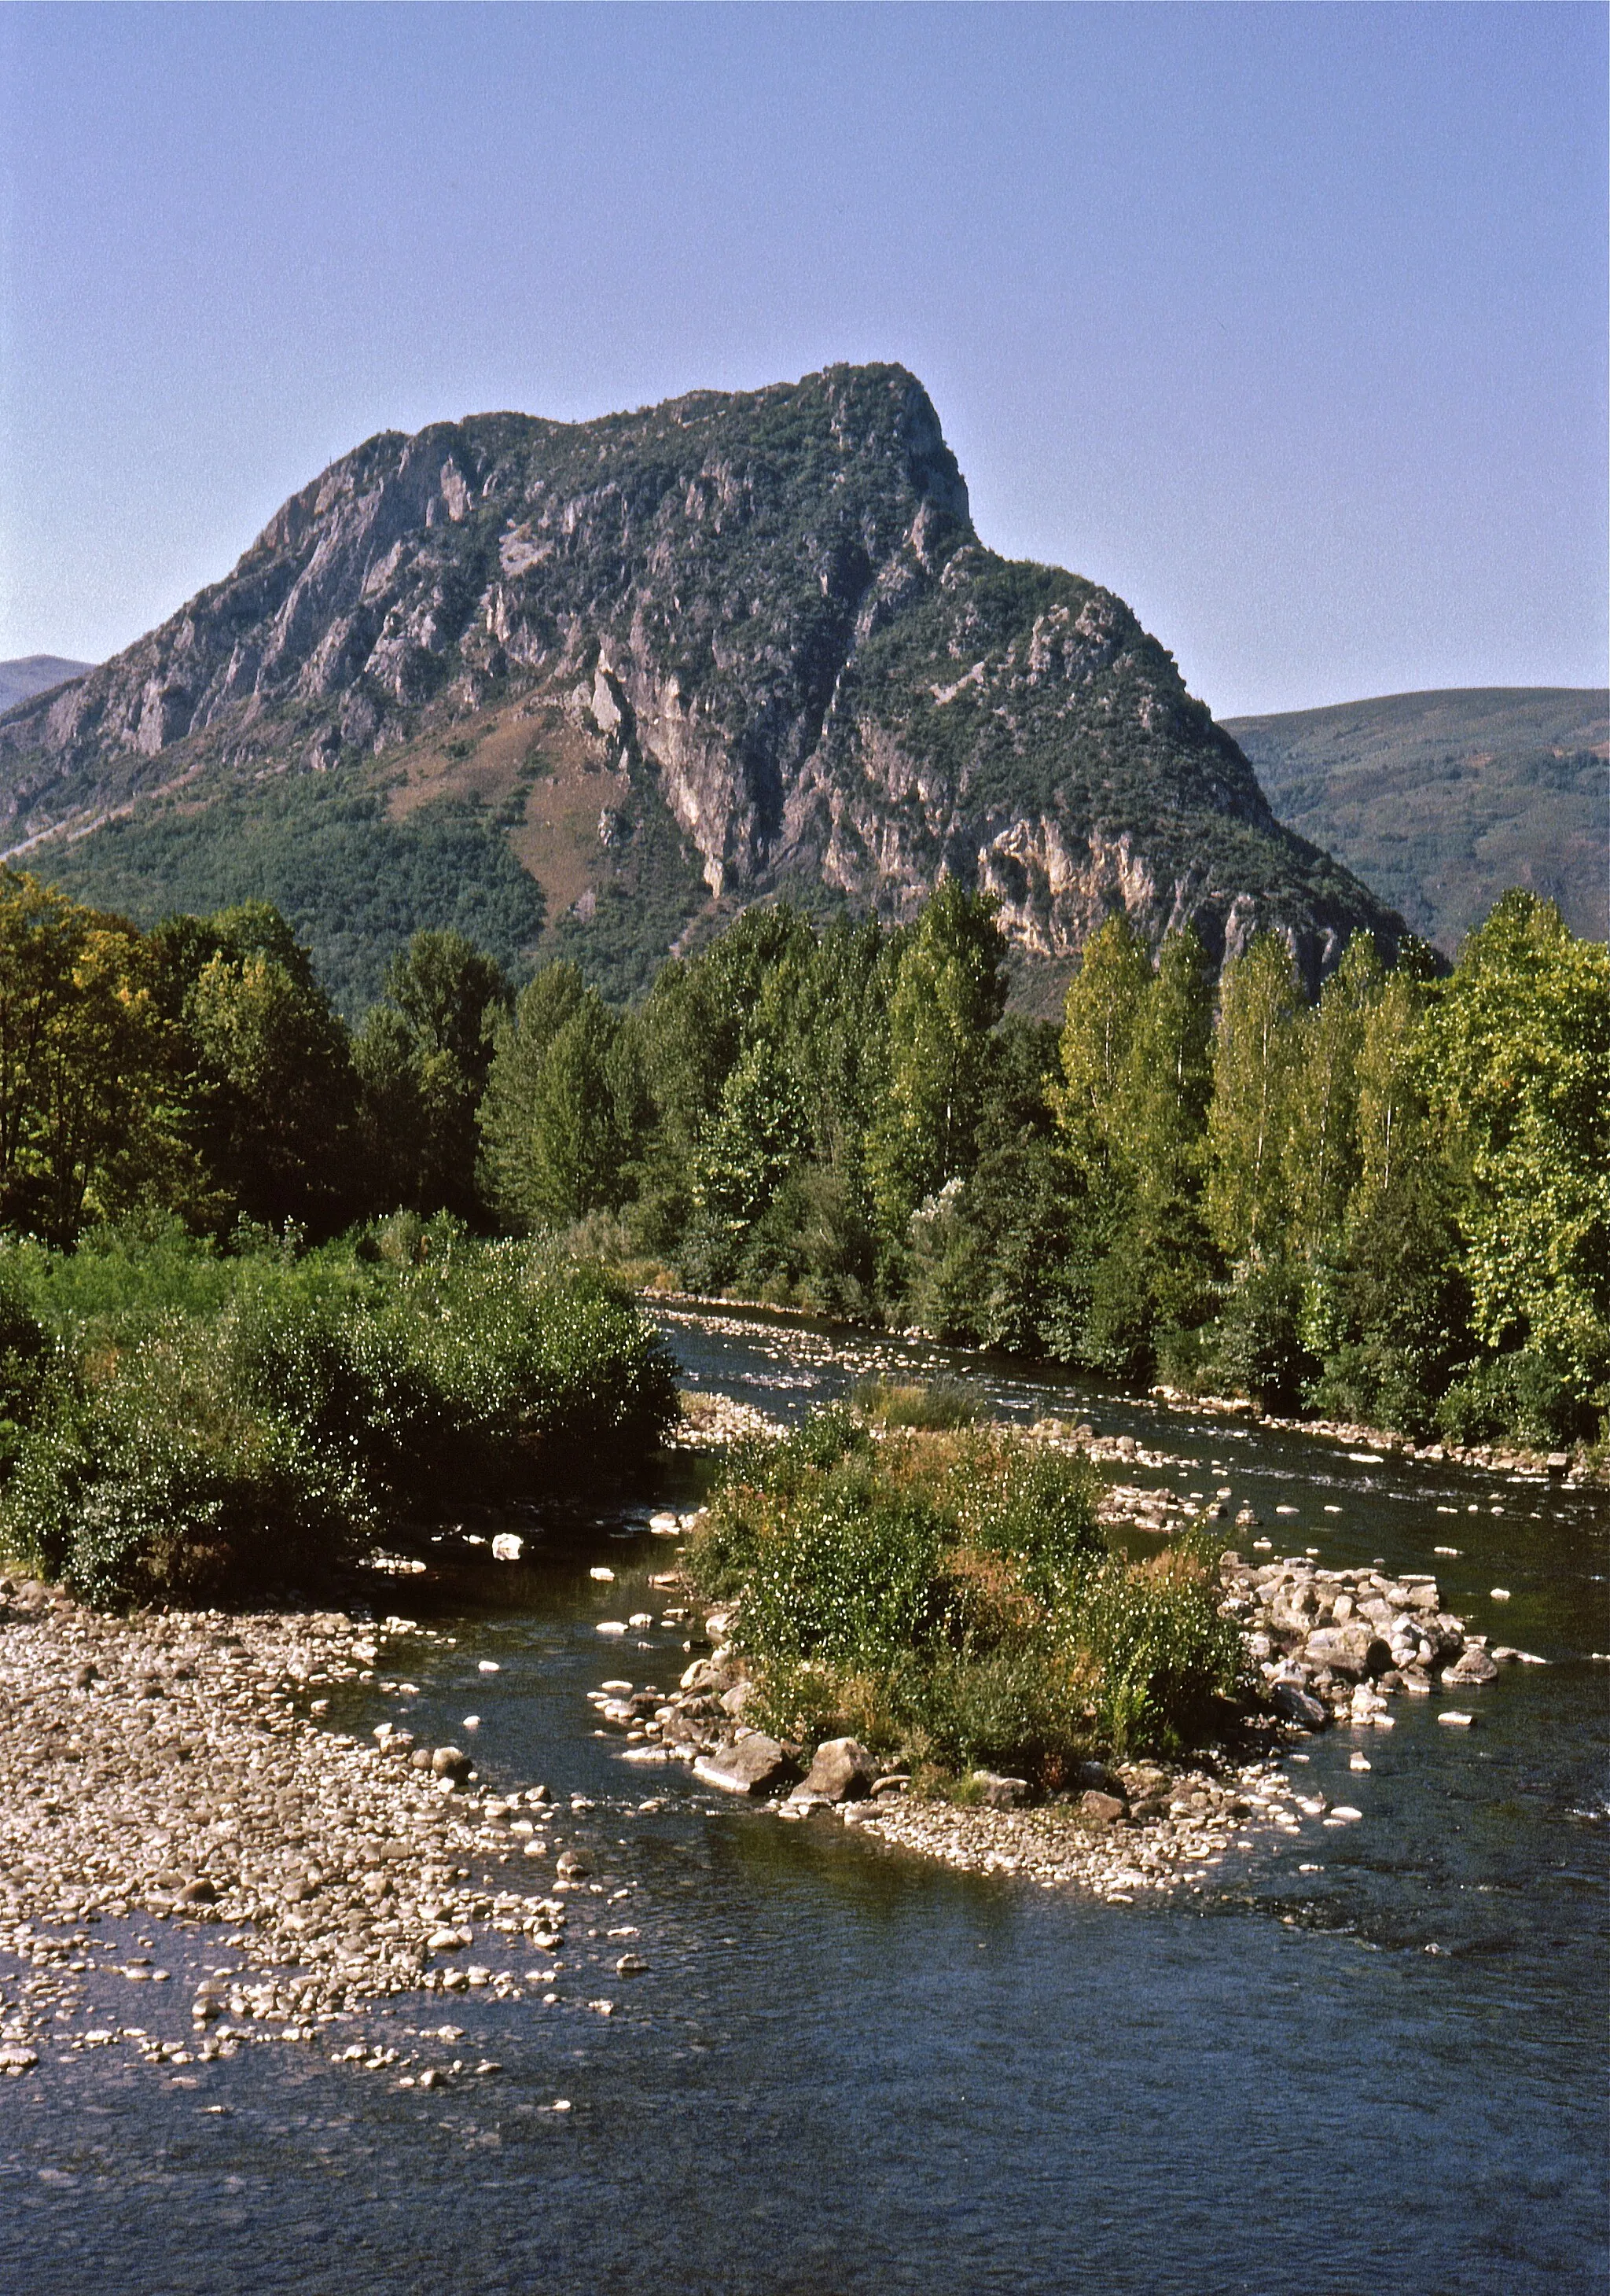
point(949, 1598)
point(179, 1422)
point(1440, 800)
point(354, 885)
point(1390, 1204)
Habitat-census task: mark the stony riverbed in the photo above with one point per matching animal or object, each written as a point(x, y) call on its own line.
point(173, 1811)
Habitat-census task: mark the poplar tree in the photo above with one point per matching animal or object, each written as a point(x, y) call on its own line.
point(1322, 1148)
point(1254, 1057)
point(561, 1112)
point(1105, 1000)
point(1164, 1087)
point(949, 992)
point(1518, 1060)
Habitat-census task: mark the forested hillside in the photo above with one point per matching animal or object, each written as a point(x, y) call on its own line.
point(589, 689)
point(1441, 800)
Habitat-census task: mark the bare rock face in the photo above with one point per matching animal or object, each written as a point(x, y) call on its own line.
point(774, 607)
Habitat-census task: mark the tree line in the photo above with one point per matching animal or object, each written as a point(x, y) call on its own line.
point(1390, 1204)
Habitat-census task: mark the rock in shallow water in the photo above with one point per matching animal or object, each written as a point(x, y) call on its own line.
point(1295, 1704)
point(842, 1771)
point(1474, 1665)
point(755, 1765)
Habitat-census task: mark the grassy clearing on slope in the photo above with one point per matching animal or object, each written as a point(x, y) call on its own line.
point(947, 1597)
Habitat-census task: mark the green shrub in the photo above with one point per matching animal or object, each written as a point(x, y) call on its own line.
point(1156, 1650)
point(846, 1577)
point(157, 1483)
point(1526, 1395)
point(1258, 1346)
point(267, 1424)
point(948, 1596)
point(25, 1354)
point(1377, 1384)
point(1034, 1508)
point(1017, 1710)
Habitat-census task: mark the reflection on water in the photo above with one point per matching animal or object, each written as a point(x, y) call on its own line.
point(1373, 2052)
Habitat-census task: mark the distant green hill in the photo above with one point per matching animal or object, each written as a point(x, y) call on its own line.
point(1440, 801)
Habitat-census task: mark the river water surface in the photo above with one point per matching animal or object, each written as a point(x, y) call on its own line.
point(1368, 2056)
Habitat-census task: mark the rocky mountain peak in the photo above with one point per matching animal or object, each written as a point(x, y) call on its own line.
point(772, 606)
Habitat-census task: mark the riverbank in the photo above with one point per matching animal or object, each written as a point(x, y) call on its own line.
point(1583, 1465)
point(175, 1812)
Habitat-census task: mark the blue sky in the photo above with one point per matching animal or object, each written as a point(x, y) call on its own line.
point(1287, 322)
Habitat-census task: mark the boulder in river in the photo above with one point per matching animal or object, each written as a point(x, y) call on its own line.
point(702, 1676)
point(1354, 1651)
point(842, 1771)
point(1294, 1704)
point(755, 1765)
point(1472, 1664)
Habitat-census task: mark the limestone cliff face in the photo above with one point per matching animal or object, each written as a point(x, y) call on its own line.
point(773, 602)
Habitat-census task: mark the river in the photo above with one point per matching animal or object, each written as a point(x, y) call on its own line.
point(1369, 2056)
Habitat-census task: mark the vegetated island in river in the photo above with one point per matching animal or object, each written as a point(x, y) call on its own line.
point(923, 1625)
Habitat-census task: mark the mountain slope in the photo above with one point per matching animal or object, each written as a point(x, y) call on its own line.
point(670, 662)
point(27, 673)
point(1442, 800)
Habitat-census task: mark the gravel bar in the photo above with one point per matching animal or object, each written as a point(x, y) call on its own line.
point(173, 1768)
